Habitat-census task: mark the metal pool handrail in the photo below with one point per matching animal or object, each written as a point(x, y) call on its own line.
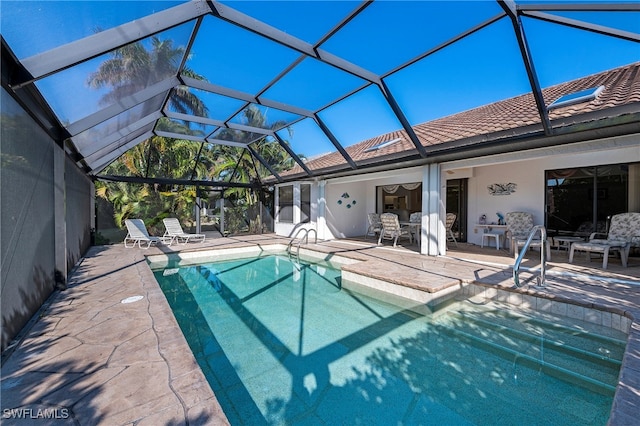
point(543, 255)
point(305, 238)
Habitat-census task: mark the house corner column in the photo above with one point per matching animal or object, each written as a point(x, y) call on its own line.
point(296, 204)
point(430, 241)
point(442, 212)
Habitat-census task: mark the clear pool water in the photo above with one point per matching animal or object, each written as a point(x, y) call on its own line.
point(284, 343)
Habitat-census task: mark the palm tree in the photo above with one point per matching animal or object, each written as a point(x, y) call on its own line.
point(128, 200)
point(132, 68)
point(129, 70)
point(246, 168)
point(170, 157)
point(238, 165)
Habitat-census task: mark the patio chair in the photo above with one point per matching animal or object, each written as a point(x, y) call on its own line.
point(391, 229)
point(519, 226)
point(449, 222)
point(137, 233)
point(624, 231)
point(174, 232)
point(375, 226)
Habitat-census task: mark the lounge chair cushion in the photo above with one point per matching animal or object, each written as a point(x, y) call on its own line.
point(624, 228)
point(608, 242)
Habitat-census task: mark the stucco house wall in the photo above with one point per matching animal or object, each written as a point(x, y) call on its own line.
point(527, 170)
point(346, 210)
point(345, 222)
point(336, 216)
point(289, 229)
point(349, 217)
point(528, 195)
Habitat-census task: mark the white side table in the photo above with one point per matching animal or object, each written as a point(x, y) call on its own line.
point(490, 235)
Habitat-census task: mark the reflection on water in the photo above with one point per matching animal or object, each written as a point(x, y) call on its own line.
point(283, 343)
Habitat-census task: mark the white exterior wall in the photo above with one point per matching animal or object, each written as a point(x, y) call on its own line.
point(288, 229)
point(333, 220)
point(342, 222)
point(528, 197)
point(527, 170)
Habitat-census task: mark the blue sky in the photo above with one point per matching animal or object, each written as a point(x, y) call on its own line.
point(480, 69)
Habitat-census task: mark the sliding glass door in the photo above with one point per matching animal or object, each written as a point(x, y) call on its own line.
point(580, 200)
point(457, 203)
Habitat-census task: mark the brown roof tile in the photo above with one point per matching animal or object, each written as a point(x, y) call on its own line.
point(622, 87)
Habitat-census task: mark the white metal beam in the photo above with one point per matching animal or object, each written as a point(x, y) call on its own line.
point(105, 150)
point(88, 148)
point(243, 96)
point(73, 53)
point(581, 25)
point(122, 105)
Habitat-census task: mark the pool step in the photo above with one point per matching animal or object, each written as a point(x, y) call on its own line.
point(575, 340)
point(577, 343)
point(508, 318)
point(593, 370)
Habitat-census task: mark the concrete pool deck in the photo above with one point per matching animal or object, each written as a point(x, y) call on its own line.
point(87, 358)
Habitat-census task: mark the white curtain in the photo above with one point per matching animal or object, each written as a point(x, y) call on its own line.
point(411, 186)
point(408, 186)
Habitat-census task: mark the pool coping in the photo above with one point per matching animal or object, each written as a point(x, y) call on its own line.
point(358, 270)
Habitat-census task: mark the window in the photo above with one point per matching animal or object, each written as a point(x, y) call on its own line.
point(382, 145)
point(285, 203)
point(457, 203)
point(581, 200)
point(305, 203)
point(401, 199)
point(576, 97)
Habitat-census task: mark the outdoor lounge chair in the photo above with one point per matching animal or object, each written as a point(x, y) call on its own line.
point(137, 233)
point(391, 229)
point(175, 233)
point(623, 232)
point(519, 226)
point(375, 226)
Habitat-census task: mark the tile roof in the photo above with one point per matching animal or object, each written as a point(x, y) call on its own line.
point(510, 117)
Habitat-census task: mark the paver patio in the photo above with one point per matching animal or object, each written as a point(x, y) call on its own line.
point(89, 359)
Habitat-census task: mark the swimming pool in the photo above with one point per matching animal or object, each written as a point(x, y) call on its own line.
point(283, 342)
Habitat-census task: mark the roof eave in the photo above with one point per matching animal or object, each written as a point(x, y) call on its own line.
point(575, 129)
